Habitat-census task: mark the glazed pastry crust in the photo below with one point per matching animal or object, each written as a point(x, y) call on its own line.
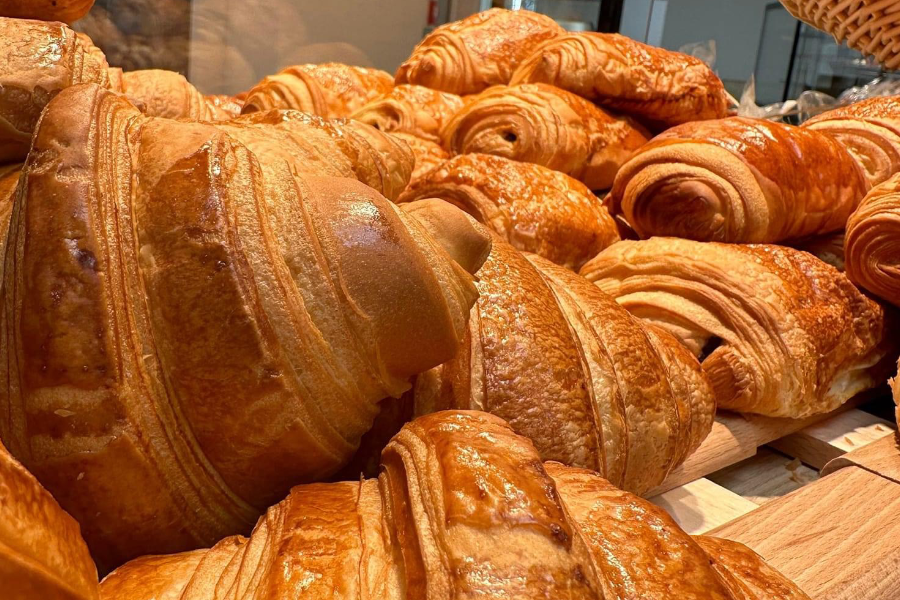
point(872, 242)
point(411, 109)
point(166, 94)
point(66, 11)
point(428, 155)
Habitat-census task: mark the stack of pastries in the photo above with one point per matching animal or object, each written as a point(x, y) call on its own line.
point(207, 301)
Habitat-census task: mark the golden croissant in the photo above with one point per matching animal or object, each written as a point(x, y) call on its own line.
point(566, 366)
point(654, 84)
point(484, 49)
point(427, 154)
point(872, 242)
point(828, 247)
point(412, 109)
point(738, 180)
point(328, 90)
point(545, 125)
point(533, 208)
point(463, 508)
point(189, 330)
point(38, 60)
point(870, 131)
point(160, 93)
point(778, 331)
point(66, 11)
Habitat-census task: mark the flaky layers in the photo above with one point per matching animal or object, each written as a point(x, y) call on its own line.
point(160, 93)
point(738, 180)
point(872, 242)
point(411, 109)
point(533, 208)
point(463, 508)
point(470, 55)
point(206, 327)
point(657, 85)
point(777, 331)
point(542, 124)
point(428, 155)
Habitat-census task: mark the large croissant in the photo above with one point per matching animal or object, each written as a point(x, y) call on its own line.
point(464, 508)
point(778, 331)
point(870, 130)
point(534, 208)
point(66, 11)
point(591, 385)
point(654, 84)
point(189, 329)
point(37, 61)
point(738, 180)
point(167, 94)
point(545, 125)
point(484, 49)
point(412, 109)
point(872, 242)
point(328, 90)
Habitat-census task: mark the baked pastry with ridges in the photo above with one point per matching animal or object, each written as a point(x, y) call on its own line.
point(191, 330)
point(872, 242)
point(778, 331)
point(167, 94)
point(545, 125)
point(738, 180)
point(484, 49)
point(534, 208)
point(428, 155)
point(463, 508)
point(328, 90)
point(66, 11)
point(412, 109)
point(828, 248)
point(658, 86)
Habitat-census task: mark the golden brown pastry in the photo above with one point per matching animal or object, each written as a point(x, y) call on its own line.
point(545, 125)
point(591, 385)
point(412, 109)
point(654, 84)
point(66, 11)
point(42, 554)
point(533, 208)
point(193, 329)
point(484, 49)
point(38, 60)
point(872, 242)
point(870, 131)
point(329, 90)
point(463, 508)
point(428, 155)
point(828, 247)
point(226, 105)
point(9, 179)
point(778, 331)
point(167, 94)
point(738, 180)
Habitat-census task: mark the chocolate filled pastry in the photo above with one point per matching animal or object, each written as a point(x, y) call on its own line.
point(872, 242)
point(545, 125)
point(411, 109)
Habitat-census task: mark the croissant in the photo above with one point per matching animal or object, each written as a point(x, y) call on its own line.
point(428, 155)
point(464, 508)
point(412, 109)
point(653, 84)
point(872, 242)
point(484, 49)
point(533, 208)
point(870, 131)
point(566, 366)
point(778, 332)
point(314, 146)
point(39, 59)
point(828, 247)
point(541, 124)
point(167, 94)
point(328, 90)
point(189, 330)
point(738, 180)
point(66, 11)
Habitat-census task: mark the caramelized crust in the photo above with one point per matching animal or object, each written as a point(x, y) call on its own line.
point(67, 11)
point(828, 248)
point(872, 242)
point(411, 109)
point(328, 90)
point(167, 94)
point(533, 208)
point(428, 155)
point(778, 331)
point(738, 180)
point(654, 84)
point(545, 125)
point(484, 49)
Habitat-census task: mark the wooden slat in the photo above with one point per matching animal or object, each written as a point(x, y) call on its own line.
point(822, 442)
point(881, 457)
point(764, 477)
point(701, 505)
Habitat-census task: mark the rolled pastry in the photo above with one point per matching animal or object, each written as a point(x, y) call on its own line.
point(778, 331)
point(870, 131)
point(545, 125)
point(161, 93)
point(654, 84)
point(468, 56)
point(828, 248)
point(67, 11)
point(411, 109)
point(738, 180)
point(428, 155)
point(327, 90)
point(534, 208)
point(872, 242)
